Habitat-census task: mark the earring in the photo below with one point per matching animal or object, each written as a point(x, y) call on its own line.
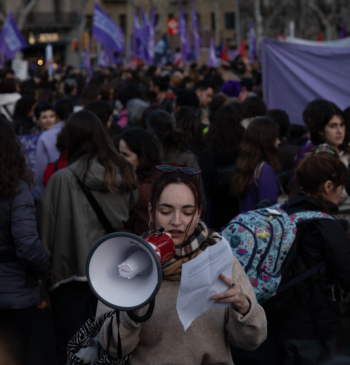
point(150, 225)
point(197, 224)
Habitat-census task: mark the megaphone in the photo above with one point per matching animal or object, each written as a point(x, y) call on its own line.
point(125, 271)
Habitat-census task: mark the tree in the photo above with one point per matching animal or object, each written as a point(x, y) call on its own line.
point(22, 13)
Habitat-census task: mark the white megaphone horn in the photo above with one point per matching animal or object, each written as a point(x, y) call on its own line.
point(125, 271)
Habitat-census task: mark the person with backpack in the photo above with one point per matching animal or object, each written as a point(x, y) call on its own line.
point(175, 205)
point(81, 203)
point(255, 176)
point(23, 260)
point(301, 272)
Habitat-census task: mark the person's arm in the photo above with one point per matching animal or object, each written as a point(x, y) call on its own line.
point(246, 331)
point(268, 184)
point(129, 331)
point(25, 236)
point(41, 162)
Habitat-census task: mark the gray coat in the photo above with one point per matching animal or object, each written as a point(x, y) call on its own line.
point(22, 257)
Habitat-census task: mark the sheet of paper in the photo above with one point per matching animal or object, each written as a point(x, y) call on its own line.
point(200, 280)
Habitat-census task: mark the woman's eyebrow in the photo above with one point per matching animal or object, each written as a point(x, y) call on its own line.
point(170, 206)
point(188, 206)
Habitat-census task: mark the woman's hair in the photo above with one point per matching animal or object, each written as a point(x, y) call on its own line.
point(87, 139)
point(147, 148)
point(189, 120)
point(226, 132)
point(310, 110)
point(177, 177)
point(162, 124)
point(258, 146)
point(90, 93)
point(13, 165)
point(320, 118)
point(23, 107)
point(252, 107)
point(318, 168)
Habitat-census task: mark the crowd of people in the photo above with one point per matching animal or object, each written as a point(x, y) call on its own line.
point(108, 135)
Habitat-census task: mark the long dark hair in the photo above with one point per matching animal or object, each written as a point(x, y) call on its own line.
point(189, 120)
point(226, 132)
point(13, 165)
point(147, 148)
point(258, 146)
point(87, 139)
point(320, 118)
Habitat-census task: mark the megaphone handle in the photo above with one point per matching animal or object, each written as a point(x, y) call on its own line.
point(144, 318)
point(110, 335)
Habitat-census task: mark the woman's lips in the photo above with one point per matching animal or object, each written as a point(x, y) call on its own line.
point(175, 233)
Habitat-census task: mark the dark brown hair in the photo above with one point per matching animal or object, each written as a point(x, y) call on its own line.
point(258, 146)
point(177, 177)
point(318, 168)
point(87, 139)
point(13, 165)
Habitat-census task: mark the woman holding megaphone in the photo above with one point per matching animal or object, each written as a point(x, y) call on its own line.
point(175, 205)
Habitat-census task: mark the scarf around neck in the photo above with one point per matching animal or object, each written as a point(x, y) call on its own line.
point(194, 246)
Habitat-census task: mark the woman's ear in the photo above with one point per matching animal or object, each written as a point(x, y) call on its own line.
point(328, 187)
point(150, 212)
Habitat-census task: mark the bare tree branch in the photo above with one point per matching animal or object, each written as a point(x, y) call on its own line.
point(24, 13)
point(323, 19)
point(162, 16)
point(258, 20)
point(274, 14)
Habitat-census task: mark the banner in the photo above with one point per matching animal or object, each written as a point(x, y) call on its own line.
point(345, 42)
point(296, 74)
point(106, 31)
point(49, 59)
point(20, 68)
point(29, 142)
point(11, 39)
point(195, 31)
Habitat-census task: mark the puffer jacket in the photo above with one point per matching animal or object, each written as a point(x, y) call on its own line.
point(23, 260)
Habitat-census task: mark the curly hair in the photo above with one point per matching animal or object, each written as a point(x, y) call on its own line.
point(13, 164)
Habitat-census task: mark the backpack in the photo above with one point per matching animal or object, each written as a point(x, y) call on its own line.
point(261, 240)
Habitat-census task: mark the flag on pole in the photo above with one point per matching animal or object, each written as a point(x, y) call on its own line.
point(49, 59)
point(152, 36)
point(106, 31)
point(253, 50)
point(145, 36)
point(162, 51)
point(136, 43)
point(195, 31)
point(212, 61)
point(184, 36)
point(104, 57)
point(11, 39)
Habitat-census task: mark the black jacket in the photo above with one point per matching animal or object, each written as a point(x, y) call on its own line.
point(23, 259)
point(321, 240)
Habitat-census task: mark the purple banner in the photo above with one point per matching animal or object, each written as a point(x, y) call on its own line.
point(29, 142)
point(11, 39)
point(106, 31)
point(195, 32)
point(296, 74)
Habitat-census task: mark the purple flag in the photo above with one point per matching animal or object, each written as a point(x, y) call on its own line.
point(152, 36)
point(11, 39)
point(212, 61)
point(184, 36)
point(306, 73)
point(195, 30)
point(104, 58)
point(136, 43)
point(106, 31)
point(148, 36)
point(253, 53)
point(343, 32)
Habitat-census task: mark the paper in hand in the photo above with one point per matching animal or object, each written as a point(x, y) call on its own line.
point(200, 280)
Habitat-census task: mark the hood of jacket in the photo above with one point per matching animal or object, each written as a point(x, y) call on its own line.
point(9, 98)
point(95, 177)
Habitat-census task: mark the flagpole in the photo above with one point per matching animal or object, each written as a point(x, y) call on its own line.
point(238, 25)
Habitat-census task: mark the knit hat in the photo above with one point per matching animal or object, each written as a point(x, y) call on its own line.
point(231, 88)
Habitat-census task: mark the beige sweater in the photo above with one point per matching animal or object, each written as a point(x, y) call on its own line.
point(161, 340)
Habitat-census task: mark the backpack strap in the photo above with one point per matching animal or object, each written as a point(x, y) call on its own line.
point(257, 173)
point(96, 207)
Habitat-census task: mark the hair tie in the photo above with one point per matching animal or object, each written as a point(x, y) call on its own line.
point(324, 148)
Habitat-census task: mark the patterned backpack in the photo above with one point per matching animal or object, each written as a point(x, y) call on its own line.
point(261, 239)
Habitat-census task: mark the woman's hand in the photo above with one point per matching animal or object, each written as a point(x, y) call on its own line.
point(233, 295)
point(44, 304)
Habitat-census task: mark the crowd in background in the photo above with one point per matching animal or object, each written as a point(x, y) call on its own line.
point(122, 123)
